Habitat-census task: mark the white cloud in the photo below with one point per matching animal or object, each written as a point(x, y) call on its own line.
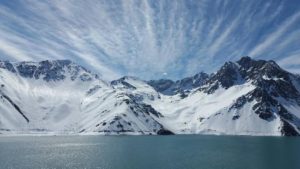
point(12, 51)
point(274, 36)
point(292, 60)
point(144, 38)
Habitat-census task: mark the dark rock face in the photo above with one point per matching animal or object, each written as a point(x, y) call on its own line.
point(247, 62)
point(266, 75)
point(142, 112)
point(265, 107)
point(136, 106)
point(235, 117)
point(192, 82)
point(256, 69)
point(14, 105)
point(161, 85)
point(288, 130)
point(262, 73)
point(164, 132)
point(182, 87)
point(26, 70)
point(265, 104)
point(93, 90)
point(7, 65)
point(226, 77)
point(240, 102)
point(122, 82)
point(272, 86)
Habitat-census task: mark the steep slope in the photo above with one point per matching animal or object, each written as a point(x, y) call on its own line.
point(47, 93)
point(248, 97)
point(123, 109)
point(62, 97)
point(117, 112)
point(139, 88)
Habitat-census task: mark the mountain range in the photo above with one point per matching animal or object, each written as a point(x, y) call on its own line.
point(246, 97)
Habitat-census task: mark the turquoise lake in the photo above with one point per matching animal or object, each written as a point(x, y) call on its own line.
point(149, 152)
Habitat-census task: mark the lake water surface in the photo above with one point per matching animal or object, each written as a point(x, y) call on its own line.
point(150, 152)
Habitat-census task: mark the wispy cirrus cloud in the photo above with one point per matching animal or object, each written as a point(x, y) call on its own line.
point(269, 41)
point(150, 38)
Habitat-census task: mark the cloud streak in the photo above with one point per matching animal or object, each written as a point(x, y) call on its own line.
point(149, 38)
point(274, 36)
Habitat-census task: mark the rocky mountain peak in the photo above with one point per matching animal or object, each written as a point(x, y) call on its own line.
point(247, 62)
point(259, 72)
point(227, 76)
point(122, 83)
point(256, 97)
point(161, 85)
point(250, 65)
point(182, 86)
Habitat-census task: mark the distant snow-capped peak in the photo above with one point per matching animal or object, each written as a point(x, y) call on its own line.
point(247, 97)
point(55, 70)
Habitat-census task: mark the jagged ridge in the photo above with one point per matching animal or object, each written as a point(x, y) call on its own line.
point(248, 97)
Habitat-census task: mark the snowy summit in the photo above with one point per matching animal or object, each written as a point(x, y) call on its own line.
point(247, 97)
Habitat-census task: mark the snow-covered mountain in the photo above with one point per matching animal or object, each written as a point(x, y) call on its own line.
point(62, 97)
point(182, 87)
point(247, 97)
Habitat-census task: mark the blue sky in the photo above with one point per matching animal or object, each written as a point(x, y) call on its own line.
point(151, 39)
